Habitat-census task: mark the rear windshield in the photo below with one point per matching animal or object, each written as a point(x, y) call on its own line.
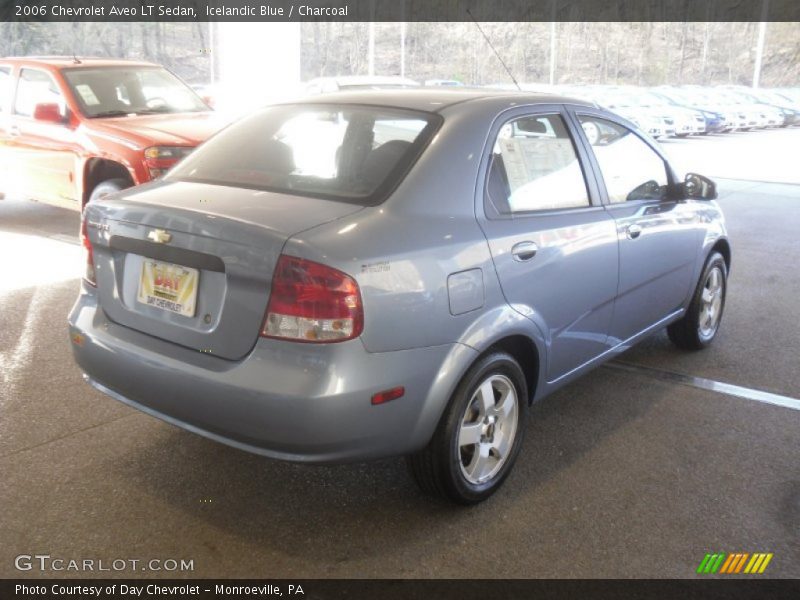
point(351, 153)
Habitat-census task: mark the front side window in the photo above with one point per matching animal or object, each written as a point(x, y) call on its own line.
point(631, 169)
point(534, 166)
point(343, 152)
point(119, 91)
point(37, 87)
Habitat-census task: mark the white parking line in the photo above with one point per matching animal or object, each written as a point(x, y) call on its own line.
point(13, 360)
point(709, 384)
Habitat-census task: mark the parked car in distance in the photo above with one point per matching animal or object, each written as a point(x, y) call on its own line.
point(768, 115)
point(708, 99)
point(687, 121)
point(443, 82)
point(652, 121)
point(714, 122)
point(775, 102)
point(406, 289)
point(75, 129)
point(757, 117)
point(326, 85)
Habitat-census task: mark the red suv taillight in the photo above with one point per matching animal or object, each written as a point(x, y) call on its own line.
point(89, 275)
point(310, 302)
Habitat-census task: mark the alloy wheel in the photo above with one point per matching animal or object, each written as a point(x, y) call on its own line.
point(488, 428)
point(711, 303)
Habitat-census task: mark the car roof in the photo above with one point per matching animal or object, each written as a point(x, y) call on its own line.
point(436, 99)
point(71, 61)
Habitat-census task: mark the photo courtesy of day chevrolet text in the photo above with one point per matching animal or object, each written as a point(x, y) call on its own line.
point(125, 590)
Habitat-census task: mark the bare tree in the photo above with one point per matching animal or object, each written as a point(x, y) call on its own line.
point(648, 53)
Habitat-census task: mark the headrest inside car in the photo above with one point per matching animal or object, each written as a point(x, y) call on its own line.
point(531, 125)
point(278, 157)
point(381, 161)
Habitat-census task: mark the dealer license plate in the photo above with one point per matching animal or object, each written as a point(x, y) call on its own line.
point(169, 287)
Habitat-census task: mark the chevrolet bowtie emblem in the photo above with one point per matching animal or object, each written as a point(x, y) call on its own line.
point(159, 236)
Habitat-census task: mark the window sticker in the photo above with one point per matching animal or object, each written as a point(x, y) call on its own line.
point(527, 159)
point(87, 95)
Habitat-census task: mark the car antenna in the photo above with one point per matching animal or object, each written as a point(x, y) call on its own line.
point(75, 60)
point(496, 53)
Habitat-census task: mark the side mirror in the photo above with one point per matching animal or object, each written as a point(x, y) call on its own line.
point(698, 187)
point(49, 113)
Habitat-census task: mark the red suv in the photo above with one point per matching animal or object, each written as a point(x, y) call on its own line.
point(75, 129)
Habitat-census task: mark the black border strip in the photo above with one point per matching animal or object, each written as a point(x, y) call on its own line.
point(400, 10)
point(727, 588)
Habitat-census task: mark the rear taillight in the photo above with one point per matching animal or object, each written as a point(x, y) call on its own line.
point(310, 302)
point(89, 275)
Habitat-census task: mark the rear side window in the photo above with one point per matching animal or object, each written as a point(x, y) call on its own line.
point(5, 88)
point(534, 166)
point(37, 87)
point(350, 153)
point(631, 169)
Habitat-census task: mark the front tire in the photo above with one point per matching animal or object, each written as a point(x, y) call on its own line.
point(479, 436)
point(699, 326)
point(109, 186)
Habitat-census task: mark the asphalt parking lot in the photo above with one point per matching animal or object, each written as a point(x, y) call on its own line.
point(624, 473)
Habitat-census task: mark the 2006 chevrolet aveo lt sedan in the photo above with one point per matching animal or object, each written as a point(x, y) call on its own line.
point(394, 273)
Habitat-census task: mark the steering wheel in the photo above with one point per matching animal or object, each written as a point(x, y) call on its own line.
point(155, 102)
point(649, 190)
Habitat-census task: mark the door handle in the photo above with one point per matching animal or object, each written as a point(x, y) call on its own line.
point(633, 231)
point(523, 251)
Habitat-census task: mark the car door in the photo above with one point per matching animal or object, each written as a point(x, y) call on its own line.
point(553, 244)
point(658, 234)
point(45, 152)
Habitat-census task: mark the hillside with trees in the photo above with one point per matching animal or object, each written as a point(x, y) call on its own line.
point(625, 53)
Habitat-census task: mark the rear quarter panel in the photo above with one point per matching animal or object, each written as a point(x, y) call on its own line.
point(402, 252)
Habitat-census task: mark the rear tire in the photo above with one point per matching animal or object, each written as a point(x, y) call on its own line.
point(479, 436)
point(699, 326)
point(109, 186)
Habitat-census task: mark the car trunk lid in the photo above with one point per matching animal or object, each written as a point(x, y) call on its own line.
point(192, 263)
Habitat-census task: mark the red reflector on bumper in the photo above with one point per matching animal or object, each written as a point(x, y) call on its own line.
point(387, 395)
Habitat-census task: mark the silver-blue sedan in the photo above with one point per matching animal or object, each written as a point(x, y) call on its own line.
point(384, 273)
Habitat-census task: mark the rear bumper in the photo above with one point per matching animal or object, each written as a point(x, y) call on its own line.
point(297, 402)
